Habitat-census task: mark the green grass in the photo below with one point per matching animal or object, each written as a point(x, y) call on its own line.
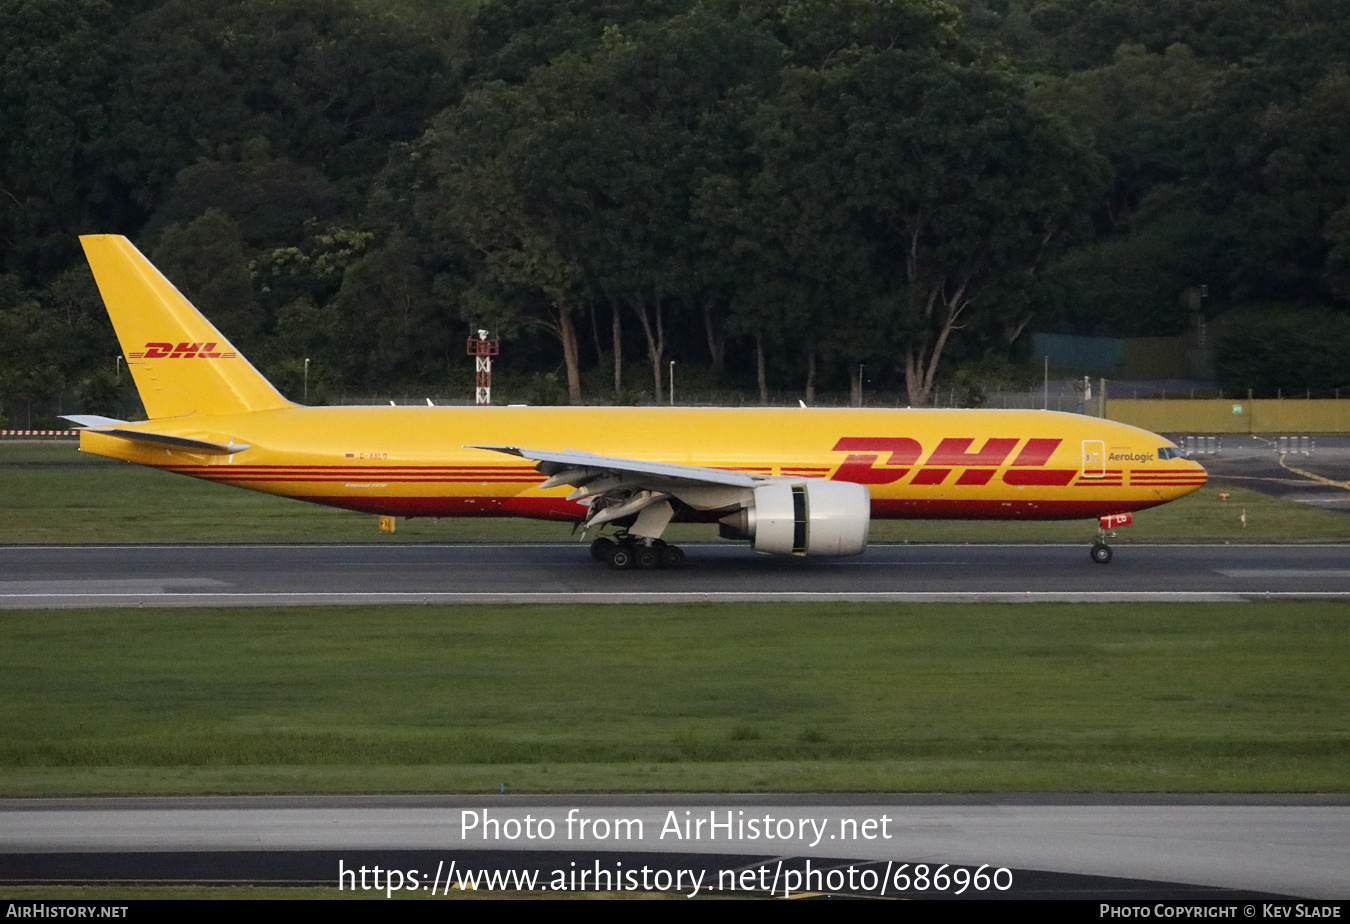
point(52, 494)
point(1205, 697)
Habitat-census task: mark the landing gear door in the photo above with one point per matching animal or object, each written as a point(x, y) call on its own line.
point(1094, 459)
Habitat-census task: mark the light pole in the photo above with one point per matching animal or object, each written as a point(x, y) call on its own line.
point(1201, 335)
point(482, 350)
point(305, 396)
point(672, 383)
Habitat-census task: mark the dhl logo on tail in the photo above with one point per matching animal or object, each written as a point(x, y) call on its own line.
point(182, 351)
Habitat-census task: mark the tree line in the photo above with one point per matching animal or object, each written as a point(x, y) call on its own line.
point(771, 192)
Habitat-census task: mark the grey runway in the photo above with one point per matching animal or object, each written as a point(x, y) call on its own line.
point(232, 575)
point(1274, 845)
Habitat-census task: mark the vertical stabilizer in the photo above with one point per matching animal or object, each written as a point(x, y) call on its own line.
point(182, 365)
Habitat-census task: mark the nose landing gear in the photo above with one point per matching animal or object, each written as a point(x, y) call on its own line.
point(1101, 552)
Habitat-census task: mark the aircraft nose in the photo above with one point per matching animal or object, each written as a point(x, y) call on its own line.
point(1194, 478)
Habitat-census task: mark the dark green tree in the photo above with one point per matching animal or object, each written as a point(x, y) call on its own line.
point(205, 259)
point(510, 38)
point(55, 70)
point(1283, 350)
point(950, 176)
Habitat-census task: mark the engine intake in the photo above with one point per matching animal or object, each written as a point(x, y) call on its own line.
point(814, 518)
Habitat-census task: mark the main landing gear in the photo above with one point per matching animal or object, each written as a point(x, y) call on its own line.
point(623, 552)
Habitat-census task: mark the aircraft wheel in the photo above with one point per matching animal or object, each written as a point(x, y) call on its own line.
point(647, 558)
point(620, 557)
point(1101, 553)
point(600, 548)
point(672, 556)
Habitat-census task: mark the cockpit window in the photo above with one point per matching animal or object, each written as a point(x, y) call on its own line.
point(1172, 452)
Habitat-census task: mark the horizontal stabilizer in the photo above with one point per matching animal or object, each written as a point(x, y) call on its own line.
point(93, 420)
point(178, 442)
point(205, 447)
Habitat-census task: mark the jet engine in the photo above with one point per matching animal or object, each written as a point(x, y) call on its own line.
point(812, 518)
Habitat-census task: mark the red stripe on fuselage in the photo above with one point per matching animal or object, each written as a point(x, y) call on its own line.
point(546, 508)
point(1048, 477)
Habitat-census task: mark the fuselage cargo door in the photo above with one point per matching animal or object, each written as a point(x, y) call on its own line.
point(1094, 459)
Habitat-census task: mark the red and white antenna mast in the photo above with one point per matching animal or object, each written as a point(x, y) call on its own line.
point(483, 349)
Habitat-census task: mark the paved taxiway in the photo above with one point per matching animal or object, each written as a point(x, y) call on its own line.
point(560, 573)
point(1130, 846)
point(1316, 470)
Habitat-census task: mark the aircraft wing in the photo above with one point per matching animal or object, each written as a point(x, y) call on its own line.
point(615, 488)
point(577, 468)
point(645, 496)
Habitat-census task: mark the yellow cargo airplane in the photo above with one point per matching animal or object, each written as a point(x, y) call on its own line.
point(791, 481)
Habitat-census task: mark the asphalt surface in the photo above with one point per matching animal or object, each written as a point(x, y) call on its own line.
point(1121, 848)
point(356, 574)
point(1313, 470)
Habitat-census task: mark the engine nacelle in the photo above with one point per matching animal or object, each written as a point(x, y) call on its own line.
point(814, 518)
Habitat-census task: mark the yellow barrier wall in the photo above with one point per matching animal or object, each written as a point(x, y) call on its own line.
point(1232, 416)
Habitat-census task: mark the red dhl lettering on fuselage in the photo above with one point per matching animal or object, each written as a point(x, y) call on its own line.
point(902, 455)
point(182, 351)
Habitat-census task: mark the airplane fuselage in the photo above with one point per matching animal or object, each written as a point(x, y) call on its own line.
point(916, 463)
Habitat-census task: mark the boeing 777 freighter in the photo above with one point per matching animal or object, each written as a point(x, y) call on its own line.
point(791, 481)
